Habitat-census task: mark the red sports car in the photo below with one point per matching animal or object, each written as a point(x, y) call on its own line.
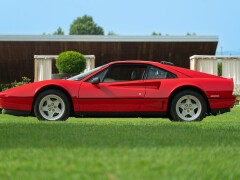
point(139, 88)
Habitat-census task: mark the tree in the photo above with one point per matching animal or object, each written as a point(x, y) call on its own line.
point(59, 32)
point(191, 34)
point(85, 26)
point(156, 34)
point(111, 33)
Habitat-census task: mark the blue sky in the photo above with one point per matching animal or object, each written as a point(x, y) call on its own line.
point(127, 17)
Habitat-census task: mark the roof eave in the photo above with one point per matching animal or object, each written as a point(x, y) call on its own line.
point(101, 38)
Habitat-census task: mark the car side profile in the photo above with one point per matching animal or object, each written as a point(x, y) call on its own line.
point(129, 88)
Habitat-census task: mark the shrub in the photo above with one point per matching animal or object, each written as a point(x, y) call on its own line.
point(219, 68)
point(70, 62)
point(25, 80)
point(4, 87)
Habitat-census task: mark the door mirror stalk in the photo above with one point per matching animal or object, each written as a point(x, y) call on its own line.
point(95, 80)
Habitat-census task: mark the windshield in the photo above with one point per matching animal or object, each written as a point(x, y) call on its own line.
point(83, 75)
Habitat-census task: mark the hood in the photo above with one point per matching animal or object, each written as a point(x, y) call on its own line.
point(29, 90)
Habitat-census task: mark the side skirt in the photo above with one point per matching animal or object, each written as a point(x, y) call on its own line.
point(121, 114)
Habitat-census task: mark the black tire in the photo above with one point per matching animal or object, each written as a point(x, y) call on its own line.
point(52, 105)
point(187, 106)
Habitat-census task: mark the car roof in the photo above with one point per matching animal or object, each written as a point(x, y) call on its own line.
point(135, 62)
point(180, 72)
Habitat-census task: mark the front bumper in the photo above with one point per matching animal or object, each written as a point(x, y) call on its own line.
point(16, 103)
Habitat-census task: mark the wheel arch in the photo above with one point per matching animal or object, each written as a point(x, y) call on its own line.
point(187, 87)
point(53, 87)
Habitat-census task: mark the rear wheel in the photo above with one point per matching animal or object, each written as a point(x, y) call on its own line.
point(52, 105)
point(188, 106)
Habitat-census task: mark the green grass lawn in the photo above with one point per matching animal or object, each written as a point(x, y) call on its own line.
point(120, 148)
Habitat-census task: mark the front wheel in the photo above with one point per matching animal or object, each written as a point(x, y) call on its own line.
point(52, 105)
point(188, 106)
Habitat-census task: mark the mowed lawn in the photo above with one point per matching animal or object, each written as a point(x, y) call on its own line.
point(120, 148)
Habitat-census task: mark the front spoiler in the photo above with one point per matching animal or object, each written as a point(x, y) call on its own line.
point(16, 112)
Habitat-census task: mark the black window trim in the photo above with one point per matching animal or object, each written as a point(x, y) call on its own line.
point(126, 64)
point(149, 66)
point(121, 64)
point(144, 76)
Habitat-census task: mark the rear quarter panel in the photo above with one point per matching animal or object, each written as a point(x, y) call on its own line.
point(218, 91)
point(211, 87)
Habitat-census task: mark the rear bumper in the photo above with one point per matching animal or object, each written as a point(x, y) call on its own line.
point(220, 106)
point(222, 103)
point(220, 111)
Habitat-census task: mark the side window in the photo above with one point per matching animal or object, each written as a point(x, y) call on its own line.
point(128, 72)
point(158, 73)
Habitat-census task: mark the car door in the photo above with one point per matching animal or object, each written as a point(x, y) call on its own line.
point(155, 99)
point(121, 89)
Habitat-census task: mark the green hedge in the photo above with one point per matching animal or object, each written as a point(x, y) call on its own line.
point(70, 62)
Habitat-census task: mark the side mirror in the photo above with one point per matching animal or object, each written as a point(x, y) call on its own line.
point(95, 80)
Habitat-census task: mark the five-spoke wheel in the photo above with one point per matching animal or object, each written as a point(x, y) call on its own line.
point(188, 106)
point(52, 105)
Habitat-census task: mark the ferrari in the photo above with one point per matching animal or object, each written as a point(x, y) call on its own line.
point(124, 88)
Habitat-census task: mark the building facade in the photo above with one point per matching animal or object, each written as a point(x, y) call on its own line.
point(17, 51)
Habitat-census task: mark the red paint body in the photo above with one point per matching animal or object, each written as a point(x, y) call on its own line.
point(130, 96)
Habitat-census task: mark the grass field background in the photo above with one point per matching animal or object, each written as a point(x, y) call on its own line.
point(120, 148)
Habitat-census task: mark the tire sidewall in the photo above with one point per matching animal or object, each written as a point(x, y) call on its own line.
point(58, 93)
point(173, 112)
